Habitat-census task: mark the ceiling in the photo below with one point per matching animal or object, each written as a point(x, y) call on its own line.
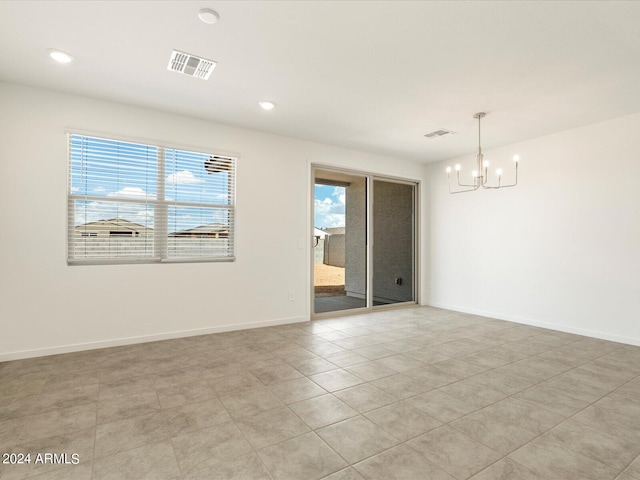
point(369, 75)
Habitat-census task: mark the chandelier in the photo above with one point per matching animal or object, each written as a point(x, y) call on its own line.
point(480, 175)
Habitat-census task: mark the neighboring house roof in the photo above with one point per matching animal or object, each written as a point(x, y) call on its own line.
point(114, 224)
point(323, 232)
point(120, 224)
point(212, 229)
point(317, 232)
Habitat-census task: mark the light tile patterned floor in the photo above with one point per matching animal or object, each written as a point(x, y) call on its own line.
point(417, 393)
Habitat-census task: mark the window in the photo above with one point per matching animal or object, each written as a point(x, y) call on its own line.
point(132, 202)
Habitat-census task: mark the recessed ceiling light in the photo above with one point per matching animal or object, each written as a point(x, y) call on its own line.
point(208, 16)
point(60, 56)
point(266, 105)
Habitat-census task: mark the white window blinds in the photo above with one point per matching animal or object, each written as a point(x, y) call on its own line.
point(132, 202)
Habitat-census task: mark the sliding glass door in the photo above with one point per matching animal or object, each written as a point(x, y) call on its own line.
point(340, 241)
point(364, 239)
point(393, 256)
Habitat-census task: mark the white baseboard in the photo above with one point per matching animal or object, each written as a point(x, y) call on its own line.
point(536, 323)
point(5, 357)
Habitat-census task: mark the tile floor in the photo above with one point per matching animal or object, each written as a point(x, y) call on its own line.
point(416, 393)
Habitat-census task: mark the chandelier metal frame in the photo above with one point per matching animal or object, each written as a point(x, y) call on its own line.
point(480, 176)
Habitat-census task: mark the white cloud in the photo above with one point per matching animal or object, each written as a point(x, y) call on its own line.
point(331, 220)
point(329, 213)
point(99, 189)
point(184, 177)
point(132, 192)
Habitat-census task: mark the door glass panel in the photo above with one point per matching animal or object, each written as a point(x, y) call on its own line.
point(340, 243)
point(393, 242)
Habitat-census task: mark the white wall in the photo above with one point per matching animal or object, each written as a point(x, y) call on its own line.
point(49, 307)
point(562, 249)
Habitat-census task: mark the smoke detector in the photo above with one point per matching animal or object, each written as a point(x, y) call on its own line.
point(191, 65)
point(439, 133)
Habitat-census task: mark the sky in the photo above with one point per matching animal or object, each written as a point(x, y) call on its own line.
point(114, 169)
point(329, 206)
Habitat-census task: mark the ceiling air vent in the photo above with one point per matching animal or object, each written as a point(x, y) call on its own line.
point(440, 133)
point(191, 65)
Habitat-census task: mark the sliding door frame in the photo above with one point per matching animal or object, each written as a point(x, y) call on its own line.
point(370, 177)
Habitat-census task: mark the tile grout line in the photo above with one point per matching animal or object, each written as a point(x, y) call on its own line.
point(550, 429)
point(406, 326)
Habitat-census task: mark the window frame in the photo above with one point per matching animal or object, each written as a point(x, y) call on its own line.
point(160, 204)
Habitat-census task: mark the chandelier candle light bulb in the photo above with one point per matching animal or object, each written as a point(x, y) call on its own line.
point(480, 178)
